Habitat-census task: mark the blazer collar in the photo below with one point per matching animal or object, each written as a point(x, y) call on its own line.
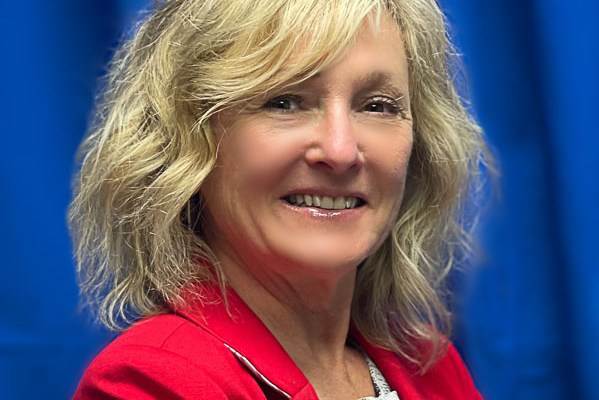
point(246, 336)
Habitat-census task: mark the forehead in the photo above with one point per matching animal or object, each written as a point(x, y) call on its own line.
point(375, 54)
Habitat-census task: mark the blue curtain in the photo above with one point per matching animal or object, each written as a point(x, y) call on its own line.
point(528, 319)
point(52, 52)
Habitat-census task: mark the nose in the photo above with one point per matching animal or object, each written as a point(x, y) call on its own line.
point(335, 143)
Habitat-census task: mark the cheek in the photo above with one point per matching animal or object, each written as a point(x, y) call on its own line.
point(249, 166)
point(394, 159)
point(392, 166)
point(258, 164)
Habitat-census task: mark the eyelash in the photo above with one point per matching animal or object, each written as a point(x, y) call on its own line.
point(391, 105)
point(395, 108)
point(272, 103)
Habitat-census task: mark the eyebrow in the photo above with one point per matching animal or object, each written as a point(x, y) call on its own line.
point(372, 81)
point(378, 79)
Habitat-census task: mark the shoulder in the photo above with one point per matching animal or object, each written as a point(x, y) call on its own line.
point(164, 356)
point(447, 379)
point(451, 376)
point(165, 336)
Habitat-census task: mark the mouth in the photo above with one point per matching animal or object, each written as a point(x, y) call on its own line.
point(324, 202)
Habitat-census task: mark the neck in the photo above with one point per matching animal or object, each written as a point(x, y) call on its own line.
point(308, 315)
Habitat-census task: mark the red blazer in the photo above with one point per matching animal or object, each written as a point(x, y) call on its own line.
point(207, 353)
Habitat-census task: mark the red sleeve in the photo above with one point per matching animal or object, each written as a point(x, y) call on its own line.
point(144, 372)
point(468, 387)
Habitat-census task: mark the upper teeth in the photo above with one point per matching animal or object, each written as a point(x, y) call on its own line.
point(326, 202)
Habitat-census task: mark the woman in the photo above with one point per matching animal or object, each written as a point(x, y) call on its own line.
point(270, 199)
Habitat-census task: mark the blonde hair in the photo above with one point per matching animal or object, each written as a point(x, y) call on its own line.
point(136, 218)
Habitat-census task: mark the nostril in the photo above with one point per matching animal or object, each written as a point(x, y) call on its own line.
point(335, 143)
point(335, 160)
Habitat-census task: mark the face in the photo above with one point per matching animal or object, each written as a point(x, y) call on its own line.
point(310, 178)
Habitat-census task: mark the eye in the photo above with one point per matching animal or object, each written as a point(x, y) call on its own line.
point(286, 103)
point(383, 106)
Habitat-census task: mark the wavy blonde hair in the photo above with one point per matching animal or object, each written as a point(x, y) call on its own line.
point(136, 218)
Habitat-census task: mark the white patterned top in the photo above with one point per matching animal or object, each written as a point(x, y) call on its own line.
point(381, 387)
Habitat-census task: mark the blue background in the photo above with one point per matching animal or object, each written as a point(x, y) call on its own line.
point(528, 317)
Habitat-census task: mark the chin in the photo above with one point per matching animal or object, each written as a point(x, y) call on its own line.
point(326, 257)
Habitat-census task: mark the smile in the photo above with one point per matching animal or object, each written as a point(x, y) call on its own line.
point(324, 202)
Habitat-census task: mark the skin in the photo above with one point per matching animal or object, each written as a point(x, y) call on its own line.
point(346, 131)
